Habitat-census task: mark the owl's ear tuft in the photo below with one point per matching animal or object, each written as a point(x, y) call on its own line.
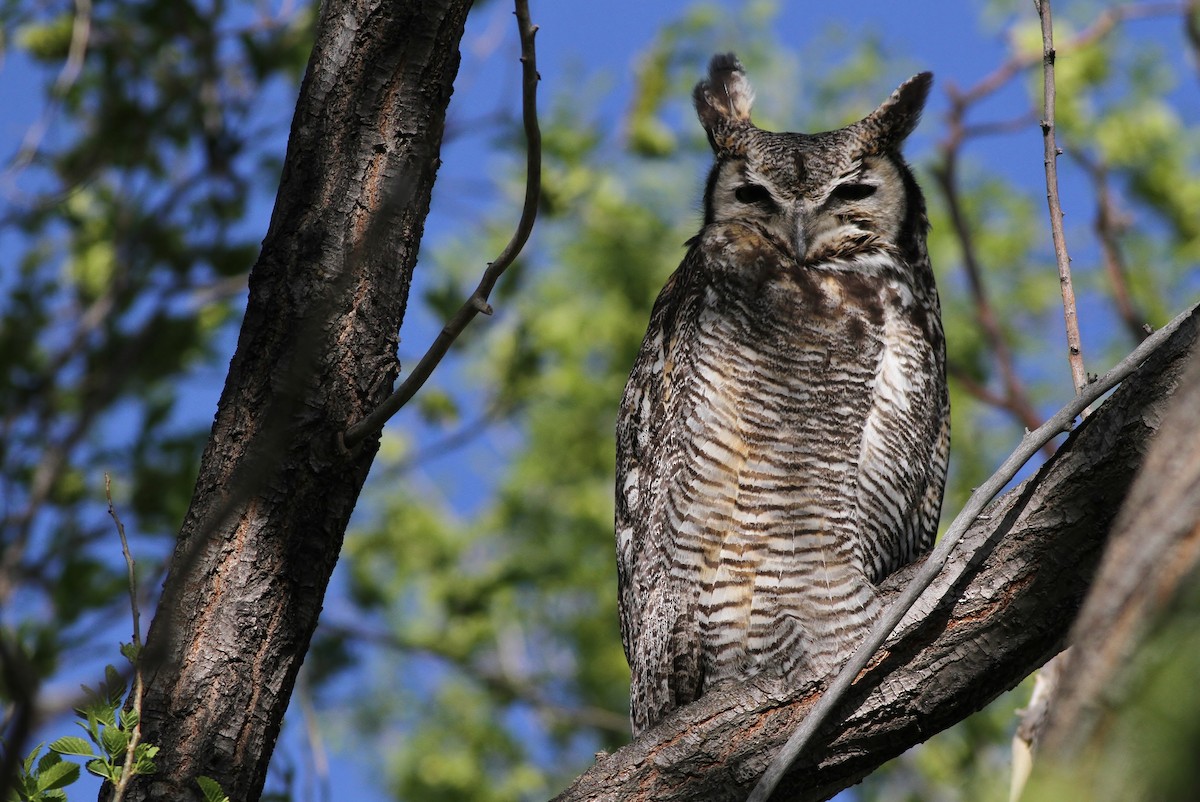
point(886, 128)
point(723, 100)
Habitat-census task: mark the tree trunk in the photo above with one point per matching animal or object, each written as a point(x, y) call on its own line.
point(316, 353)
point(1001, 607)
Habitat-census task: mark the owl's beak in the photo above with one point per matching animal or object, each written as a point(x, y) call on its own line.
point(800, 231)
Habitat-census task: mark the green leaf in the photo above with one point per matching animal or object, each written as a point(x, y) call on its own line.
point(104, 769)
point(58, 775)
point(47, 761)
point(115, 741)
point(90, 725)
point(114, 686)
point(211, 790)
point(131, 652)
point(29, 761)
point(71, 745)
point(143, 759)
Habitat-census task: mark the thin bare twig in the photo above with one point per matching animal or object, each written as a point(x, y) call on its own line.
point(1070, 315)
point(478, 300)
point(1062, 421)
point(1014, 399)
point(129, 768)
point(129, 562)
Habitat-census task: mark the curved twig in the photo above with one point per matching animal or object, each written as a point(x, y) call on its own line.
point(1015, 399)
point(81, 30)
point(478, 300)
point(1029, 445)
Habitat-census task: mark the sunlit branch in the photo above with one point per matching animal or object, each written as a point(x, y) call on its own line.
point(478, 301)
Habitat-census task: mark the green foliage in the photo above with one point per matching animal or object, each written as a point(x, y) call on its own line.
point(1141, 743)
point(211, 790)
point(42, 779)
point(109, 729)
point(126, 262)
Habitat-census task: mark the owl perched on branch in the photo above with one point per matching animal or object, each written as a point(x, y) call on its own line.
point(783, 438)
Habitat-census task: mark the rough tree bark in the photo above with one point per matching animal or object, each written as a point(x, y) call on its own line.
point(986, 623)
point(316, 352)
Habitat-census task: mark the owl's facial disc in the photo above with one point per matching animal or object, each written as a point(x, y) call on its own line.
point(857, 209)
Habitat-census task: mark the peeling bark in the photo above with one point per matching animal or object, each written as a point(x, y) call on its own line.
point(316, 352)
point(1001, 608)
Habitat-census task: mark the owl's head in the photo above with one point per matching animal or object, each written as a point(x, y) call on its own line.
point(819, 197)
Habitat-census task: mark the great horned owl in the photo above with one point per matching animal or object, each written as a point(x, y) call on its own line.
point(783, 438)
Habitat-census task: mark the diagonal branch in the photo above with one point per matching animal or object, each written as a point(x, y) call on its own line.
point(1014, 399)
point(932, 566)
point(478, 300)
point(1000, 608)
point(1109, 223)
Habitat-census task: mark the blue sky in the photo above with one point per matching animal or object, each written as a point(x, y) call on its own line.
point(603, 41)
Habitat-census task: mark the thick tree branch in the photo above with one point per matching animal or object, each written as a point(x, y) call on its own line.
point(999, 610)
point(935, 563)
point(327, 296)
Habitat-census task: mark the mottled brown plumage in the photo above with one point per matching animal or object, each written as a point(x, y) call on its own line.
point(782, 440)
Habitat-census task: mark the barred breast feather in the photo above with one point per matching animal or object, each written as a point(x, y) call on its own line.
point(761, 499)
